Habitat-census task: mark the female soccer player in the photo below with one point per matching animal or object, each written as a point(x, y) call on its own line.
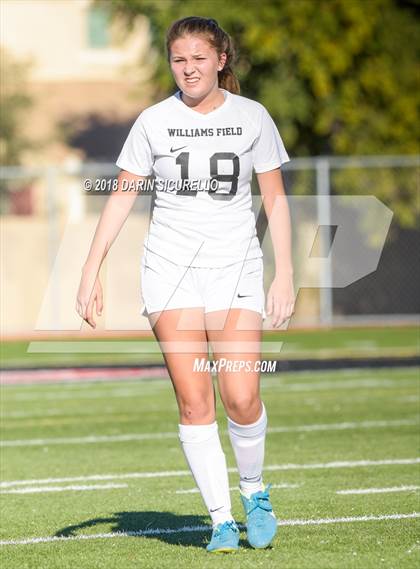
point(202, 268)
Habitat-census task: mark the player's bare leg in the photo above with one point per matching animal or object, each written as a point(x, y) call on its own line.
point(194, 391)
point(239, 390)
point(247, 417)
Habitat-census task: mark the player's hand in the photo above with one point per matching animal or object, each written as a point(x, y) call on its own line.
point(281, 299)
point(89, 294)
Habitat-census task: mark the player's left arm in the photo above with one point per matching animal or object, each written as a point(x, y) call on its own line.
point(281, 296)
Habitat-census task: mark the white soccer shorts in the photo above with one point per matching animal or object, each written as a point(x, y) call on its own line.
point(166, 285)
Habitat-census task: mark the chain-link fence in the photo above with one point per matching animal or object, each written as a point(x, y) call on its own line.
point(354, 231)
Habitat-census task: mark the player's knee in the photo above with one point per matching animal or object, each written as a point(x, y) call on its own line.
point(196, 412)
point(243, 409)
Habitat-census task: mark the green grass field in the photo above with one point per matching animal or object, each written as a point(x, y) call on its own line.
point(94, 461)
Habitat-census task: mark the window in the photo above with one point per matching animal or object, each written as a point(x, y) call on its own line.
point(98, 27)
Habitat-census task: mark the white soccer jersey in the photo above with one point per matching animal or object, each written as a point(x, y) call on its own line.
point(211, 156)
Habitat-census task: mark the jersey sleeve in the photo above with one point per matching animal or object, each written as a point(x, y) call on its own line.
point(268, 150)
point(136, 155)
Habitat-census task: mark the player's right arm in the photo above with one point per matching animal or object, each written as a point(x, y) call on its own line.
point(113, 216)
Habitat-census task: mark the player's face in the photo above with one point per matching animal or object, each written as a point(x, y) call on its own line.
point(194, 64)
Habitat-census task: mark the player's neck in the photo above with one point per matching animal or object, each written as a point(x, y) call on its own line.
point(205, 105)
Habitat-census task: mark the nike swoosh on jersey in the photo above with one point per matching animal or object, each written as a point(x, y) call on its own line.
point(243, 295)
point(176, 149)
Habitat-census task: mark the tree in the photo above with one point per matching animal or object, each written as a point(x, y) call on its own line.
point(338, 76)
point(15, 102)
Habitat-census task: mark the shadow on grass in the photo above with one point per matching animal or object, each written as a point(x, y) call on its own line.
point(165, 526)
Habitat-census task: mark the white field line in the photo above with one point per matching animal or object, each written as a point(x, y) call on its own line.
point(196, 490)
point(344, 426)
point(205, 528)
point(65, 395)
point(379, 490)
point(37, 489)
point(96, 439)
point(82, 488)
point(175, 473)
point(409, 399)
point(32, 415)
point(265, 384)
point(13, 415)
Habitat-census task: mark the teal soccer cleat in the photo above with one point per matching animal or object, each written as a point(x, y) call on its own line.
point(225, 538)
point(261, 522)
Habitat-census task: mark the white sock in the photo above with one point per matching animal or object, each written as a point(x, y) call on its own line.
point(248, 442)
point(207, 462)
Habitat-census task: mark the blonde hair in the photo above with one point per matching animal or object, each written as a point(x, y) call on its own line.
point(217, 38)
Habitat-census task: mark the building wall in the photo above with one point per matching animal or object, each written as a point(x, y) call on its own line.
point(40, 275)
point(55, 34)
point(69, 76)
